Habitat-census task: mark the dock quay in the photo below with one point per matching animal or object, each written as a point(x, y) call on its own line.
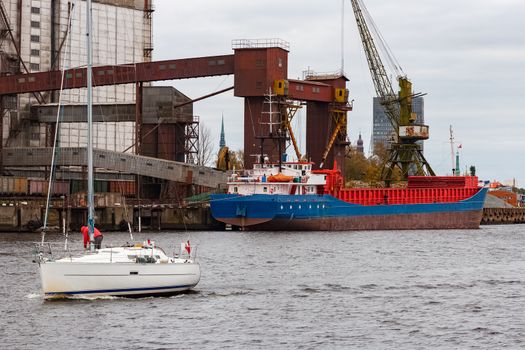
point(26, 215)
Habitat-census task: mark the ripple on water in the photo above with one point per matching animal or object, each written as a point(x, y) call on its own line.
point(395, 290)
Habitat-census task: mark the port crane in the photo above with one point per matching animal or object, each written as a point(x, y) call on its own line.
point(405, 153)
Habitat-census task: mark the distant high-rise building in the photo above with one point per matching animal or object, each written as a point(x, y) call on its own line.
point(382, 130)
point(222, 142)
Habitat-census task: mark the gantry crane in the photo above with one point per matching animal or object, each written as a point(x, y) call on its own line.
point(405, 153)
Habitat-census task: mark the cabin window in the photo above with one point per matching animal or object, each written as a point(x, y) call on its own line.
point(299, 206)
point(282, 207)
point(235, 189)
point(291, 206)
point(309, 207)
point(265, 189)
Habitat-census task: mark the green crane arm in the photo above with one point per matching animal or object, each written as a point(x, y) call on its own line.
point(382, 83)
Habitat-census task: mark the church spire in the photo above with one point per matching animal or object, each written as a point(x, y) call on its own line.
point(222, 142)
point(360, 147)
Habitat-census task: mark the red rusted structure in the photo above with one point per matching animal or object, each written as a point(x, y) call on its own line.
point(256, 66)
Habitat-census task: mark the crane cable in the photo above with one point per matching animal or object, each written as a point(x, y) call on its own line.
point(385, 48)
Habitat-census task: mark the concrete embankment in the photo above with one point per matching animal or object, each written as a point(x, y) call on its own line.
point(503, 216)
point(497, 211)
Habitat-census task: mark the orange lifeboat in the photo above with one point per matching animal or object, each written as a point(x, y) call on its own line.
point(280, 178)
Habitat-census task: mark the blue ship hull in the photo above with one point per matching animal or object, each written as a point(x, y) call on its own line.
point(325, 212)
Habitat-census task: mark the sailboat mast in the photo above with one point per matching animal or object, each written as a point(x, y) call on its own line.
point(91, 209)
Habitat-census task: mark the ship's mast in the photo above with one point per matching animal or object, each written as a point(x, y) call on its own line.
point(90, 179)
point(271, 117)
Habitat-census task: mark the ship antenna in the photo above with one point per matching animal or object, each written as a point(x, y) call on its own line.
point(452, 150)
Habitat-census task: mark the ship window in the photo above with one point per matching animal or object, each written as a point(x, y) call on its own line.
point(282, 207)
point(291, 206)
point(317, 206)
point(235, 189)
point(299, 206)
point(309, 207)
point(323, 206)
point(265, 189)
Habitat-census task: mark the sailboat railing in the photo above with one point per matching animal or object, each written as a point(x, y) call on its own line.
point(183, 254)
point(51, 251)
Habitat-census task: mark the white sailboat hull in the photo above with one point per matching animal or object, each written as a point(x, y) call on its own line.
point(63, 278)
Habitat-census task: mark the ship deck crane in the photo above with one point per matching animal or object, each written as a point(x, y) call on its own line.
point(405, 153)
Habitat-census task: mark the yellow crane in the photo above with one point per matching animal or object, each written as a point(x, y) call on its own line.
point(405, 153)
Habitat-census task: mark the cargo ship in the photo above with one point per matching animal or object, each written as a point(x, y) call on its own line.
point(292, 196)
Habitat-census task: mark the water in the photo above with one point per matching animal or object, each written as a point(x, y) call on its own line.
point(343, 290)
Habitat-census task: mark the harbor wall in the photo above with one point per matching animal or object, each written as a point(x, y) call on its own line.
point(492, 216)
point(28, 216)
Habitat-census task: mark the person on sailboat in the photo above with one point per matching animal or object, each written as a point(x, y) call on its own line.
point(98, 237)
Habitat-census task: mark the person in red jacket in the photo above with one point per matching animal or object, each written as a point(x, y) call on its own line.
point(98, 237)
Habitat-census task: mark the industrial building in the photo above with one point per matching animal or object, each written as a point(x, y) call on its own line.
point(144, 134)
point(50, 35)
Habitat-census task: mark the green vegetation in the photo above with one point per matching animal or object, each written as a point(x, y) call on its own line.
point(363, 171)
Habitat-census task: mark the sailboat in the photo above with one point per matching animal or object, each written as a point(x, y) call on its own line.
point(140, 269)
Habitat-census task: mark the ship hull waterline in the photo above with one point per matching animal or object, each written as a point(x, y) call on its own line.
point(451, 220)
point(326, 213)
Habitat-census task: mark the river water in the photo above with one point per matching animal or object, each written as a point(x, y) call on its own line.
point(303, 290)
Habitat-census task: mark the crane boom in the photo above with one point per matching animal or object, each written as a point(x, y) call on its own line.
point(380, 78)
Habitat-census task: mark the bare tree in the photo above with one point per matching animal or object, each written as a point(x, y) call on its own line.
point(205, 153)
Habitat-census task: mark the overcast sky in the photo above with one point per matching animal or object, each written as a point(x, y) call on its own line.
point(467, 55)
